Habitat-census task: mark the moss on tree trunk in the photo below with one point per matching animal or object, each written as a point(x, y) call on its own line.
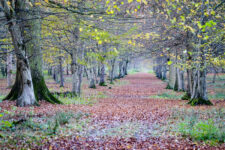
point(199, 101)
point(41, 91)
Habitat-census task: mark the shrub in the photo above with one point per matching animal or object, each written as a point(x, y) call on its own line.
point(202, 130)
point(63, 117)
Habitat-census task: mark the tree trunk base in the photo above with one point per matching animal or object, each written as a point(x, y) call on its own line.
point(186, 96)
point(199, 101)
point(42, 93)
point(92, 86)
point(65, 94)
point(169, 87)
point(102, 84)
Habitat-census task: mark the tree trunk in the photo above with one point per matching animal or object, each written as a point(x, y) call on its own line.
point(55, 74)
point(75, 74)
point(121, 71)
point(214, 75)
point(102, 75)
point(67, 69)
point(86, 72)
point(61, 72)
point(34, 88)
point(49, 71)
point(80, 77)
point(180, 77)
point(95, 74)
point(172, 76)
point(199, 93)
point(112, 70)
point(91, 78)
point(164, 71)
point(22, 91)
point(9, 70)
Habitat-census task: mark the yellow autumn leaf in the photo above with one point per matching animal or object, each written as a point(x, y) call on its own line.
point(199, 36)
point(130, 1)
point(8, 2)
point(100, 42)
point(37, 3)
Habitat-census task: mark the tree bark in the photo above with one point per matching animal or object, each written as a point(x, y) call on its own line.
point(22, 91)
point(180, 76)
point(30, 79)
point(214, 75)
point(121, 71)
point(91, 78)
point(102, 75)
point(61, 72)
point(9, 70)
point(112, 70)
point(199, 93)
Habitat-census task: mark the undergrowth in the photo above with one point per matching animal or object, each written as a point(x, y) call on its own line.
point(133, 71)
point(167, 95)
point(33, 131)
point(199, 125)
point(77, 100)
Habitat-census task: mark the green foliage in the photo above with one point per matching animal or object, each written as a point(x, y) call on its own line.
point(167, 95)
point(196, 125)
point(32, 125)
point(5, 124)
point(70, 98)
point(102, 84)
point(133, 71)
point(63, 117)
point(1, 97)
point(151, 71)
point(199, 101)
point(217, 96)
point(78, 100)
point(202, 130)
point(169, 87)
point(101, 95)
point(185, 97)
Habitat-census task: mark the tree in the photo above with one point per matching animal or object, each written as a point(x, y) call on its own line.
point(29, 86)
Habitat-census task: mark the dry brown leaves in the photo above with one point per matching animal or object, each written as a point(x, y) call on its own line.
point(124, 103)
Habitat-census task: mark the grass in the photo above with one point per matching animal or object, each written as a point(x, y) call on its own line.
point(199, 125)
point(217, 88)
point(151, 71)
point(220, 77)
point(217, 96)
point(167, 95)
point(36, 130)
point(100, 95)
point(119, 82)
point(133, 71)
point(78, 100)
point(1, 98)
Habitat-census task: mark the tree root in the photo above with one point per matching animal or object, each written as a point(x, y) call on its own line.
point(199, 101)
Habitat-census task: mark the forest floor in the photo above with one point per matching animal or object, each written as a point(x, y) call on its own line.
point(137, 112)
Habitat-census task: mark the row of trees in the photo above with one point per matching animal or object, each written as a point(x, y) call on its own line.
point(58, 33)
point(194, 45)
point(89, 37)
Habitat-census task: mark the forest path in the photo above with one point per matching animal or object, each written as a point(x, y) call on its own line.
point(125, 117)
point(129, 119)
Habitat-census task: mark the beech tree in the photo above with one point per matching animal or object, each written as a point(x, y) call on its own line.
point(24, 27)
